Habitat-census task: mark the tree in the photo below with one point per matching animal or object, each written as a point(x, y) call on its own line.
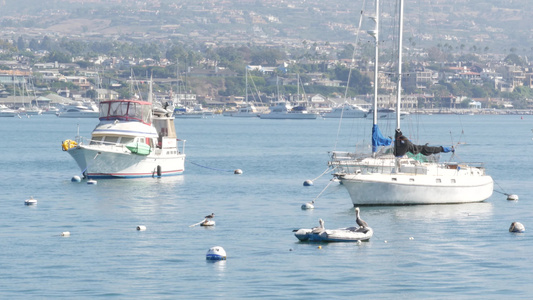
point(59, 57)
point(21, 44)
point(514, 59)
point(92, 94)
point(360, 83)
point(266, 56)
point(75, 48)
point(347, 52)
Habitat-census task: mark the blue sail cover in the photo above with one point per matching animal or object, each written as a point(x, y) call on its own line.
point(378, 139)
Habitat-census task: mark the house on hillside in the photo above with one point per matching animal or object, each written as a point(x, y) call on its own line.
point(105, 94)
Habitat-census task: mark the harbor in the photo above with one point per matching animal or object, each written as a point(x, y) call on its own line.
point(256, 212)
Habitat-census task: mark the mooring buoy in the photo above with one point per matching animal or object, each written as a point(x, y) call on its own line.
point(512, 197)
point(216, 253)
point(308, 205)
point(517, 227)
point(308, 183)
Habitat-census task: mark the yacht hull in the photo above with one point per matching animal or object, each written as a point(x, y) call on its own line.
point(98, 162)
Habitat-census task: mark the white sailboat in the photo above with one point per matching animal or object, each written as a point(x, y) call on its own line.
point(247, 110)
point(393, 178)
point(284, 110)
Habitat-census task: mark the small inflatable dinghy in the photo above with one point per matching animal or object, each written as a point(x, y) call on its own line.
point(349, 234)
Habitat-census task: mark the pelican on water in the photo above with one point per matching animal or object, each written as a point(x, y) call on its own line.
point(358, 220)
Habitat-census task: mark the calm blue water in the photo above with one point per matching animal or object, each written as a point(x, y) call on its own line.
point(456, 251)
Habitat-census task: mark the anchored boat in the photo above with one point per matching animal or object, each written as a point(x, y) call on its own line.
point(134, 138)
point(348, 234)
point(408, 174)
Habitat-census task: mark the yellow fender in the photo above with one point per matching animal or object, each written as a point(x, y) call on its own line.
point(69, 144)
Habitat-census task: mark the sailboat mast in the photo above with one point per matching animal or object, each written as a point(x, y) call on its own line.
point(246, 83)
point(150, 89)
point(376, 66)
point(298, 90)
point(400, 43)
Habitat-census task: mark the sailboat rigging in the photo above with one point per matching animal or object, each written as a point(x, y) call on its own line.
point(402, 176)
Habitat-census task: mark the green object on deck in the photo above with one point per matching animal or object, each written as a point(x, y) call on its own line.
point(139, 148)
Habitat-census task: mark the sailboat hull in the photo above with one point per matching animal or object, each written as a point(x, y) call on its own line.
point(411, 189)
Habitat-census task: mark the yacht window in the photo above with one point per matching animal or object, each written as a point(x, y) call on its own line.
point(96, 140)
point(126, 140)
point(453, 180)
point(110, 140)
point(438, 180)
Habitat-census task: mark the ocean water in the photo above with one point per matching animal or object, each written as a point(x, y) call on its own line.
point(419, 252)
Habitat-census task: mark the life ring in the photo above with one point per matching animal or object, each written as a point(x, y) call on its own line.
point(69, 144)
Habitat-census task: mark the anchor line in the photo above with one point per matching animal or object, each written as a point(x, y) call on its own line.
point(210, 168)
point(328, 170)
point(331, 181)
point(87, 167)
point(503, 193)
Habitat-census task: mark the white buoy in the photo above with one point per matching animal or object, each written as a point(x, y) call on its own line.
point(308, 205)
point(207, 222)
point(308, 183)
point(216, 253)
point(237, 172)
point(512, 197)
point(30, 201)
point(141, 228)
point(65, 233)
point(517, 227)
point(76, 179)
point(91, 181)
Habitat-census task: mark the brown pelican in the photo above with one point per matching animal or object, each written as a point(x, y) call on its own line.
point(320, 227)
point(358, 220)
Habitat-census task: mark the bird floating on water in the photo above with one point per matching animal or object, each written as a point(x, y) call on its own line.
point(30, 201)
point(211, 216)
